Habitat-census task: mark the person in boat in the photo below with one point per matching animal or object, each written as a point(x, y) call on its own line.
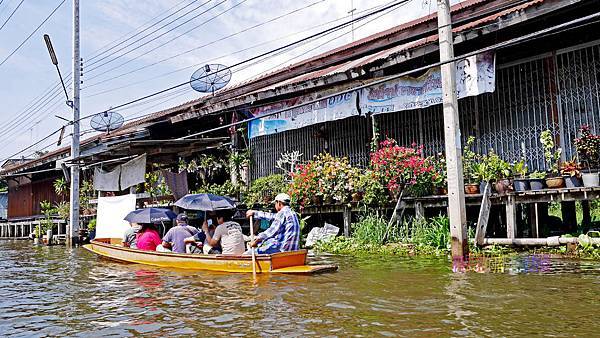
point(130, 236)
point(228, 234)
point(198, 242)
point(175, 238)
point(148, 238)
point(284, 232)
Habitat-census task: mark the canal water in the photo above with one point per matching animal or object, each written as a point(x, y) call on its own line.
point(52, 291)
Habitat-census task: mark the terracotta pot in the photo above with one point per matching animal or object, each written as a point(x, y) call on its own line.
point(357, 196)
point(471, 189)
point(502, 186)
point(439, 191)
point(555, 182)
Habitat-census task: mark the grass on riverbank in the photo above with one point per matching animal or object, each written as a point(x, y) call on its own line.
point(425, 237)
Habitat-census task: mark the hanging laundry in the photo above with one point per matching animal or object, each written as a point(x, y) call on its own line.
point(177, 182)
point(133, 172)
point(107, 180)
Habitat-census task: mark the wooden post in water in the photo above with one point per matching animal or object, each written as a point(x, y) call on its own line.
point(452, 136)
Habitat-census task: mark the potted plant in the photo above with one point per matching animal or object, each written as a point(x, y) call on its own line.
point(552, 156)
point(469, 167)
point(588, 149)
point(537, 180)
point(520, 182)
point(440, 176)
point(571, 171)
point(498, 171)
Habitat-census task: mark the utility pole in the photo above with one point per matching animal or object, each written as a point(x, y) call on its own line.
point(73, 226)
point(452, 137)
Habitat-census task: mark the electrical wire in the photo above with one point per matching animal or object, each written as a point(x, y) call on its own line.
point(30, 35)
point(337, 27)
point(102, 49)
point(163, 44)
point(202, 46)
point(11, 14)
point(153, 38)
point(515, 41)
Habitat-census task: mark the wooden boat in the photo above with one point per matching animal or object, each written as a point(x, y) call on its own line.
point(285, 262)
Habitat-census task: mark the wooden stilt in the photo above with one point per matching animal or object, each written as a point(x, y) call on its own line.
point(511, 217)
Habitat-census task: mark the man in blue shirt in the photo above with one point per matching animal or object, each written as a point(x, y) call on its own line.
point(284, 232)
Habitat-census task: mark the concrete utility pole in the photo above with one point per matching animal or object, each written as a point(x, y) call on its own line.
point(73, 226)
point(452, 137)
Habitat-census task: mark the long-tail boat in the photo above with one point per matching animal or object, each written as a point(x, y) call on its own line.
point(293, 262)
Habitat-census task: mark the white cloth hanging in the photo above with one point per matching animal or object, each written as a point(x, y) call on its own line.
point(133, 172)
point(111, 211)
point(107, 180)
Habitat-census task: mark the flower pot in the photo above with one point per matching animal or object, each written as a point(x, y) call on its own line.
point(573, 181)
point(316, 200)
point(521, 184)
point(329, 200)
point(357, 196)
point(502, 186)
point(590, 179)
point(439, 191)
point(536, 183)
point(471, 188)
point(555, 182)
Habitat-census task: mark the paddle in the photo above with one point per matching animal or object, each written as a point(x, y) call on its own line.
point(251, 248)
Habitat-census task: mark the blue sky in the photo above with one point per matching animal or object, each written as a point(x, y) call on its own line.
point(29, 72)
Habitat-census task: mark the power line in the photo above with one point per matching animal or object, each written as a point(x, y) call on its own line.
point(209, 60)
point(30, 35)
point(337, 27)
point(171, 40)
point(101, 49)
point(149, 34)
point(11, 14)
point(201, 46)
point(576, 23)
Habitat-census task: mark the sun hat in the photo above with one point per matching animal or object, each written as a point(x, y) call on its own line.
point(283, 198)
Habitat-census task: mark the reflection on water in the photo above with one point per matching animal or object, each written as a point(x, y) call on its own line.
point(58, 292)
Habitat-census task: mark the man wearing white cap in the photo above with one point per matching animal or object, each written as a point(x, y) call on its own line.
point(284, 232)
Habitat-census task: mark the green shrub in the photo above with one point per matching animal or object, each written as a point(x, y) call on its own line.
point(370, 229)
point(263, 190)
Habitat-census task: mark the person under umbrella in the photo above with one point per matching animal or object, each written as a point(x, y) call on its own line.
point(175, 237)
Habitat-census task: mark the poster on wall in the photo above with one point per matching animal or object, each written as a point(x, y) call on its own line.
point(474, 75)
point(300, 115)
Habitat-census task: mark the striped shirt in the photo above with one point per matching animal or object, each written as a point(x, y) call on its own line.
point(284, 232)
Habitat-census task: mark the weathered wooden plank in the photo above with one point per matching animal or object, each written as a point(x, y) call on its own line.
point(484, 215)
point(511, 217)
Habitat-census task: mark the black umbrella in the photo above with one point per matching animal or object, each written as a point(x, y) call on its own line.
point(205, 202)
point(150, 215)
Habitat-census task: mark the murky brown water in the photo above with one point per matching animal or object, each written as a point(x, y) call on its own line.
point(56, 292)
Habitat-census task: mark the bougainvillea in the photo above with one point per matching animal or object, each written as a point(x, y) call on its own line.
point(398, 167)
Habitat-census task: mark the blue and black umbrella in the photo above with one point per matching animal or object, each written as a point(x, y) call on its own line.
point(150, 215)
point(205, 202)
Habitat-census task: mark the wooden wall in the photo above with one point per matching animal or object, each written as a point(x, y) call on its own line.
point(24, 196)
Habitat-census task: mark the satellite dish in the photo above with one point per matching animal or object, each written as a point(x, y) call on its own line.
point(210, 78)
point(107, 121)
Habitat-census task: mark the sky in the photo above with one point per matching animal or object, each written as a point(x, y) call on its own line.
point(132, 48)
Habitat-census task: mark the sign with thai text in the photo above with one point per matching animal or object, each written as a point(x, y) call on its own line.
point(474, 75)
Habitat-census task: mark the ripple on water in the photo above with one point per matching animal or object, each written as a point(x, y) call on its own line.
point(57, 292)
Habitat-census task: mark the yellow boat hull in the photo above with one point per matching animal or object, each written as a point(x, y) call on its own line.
point(285, 262)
